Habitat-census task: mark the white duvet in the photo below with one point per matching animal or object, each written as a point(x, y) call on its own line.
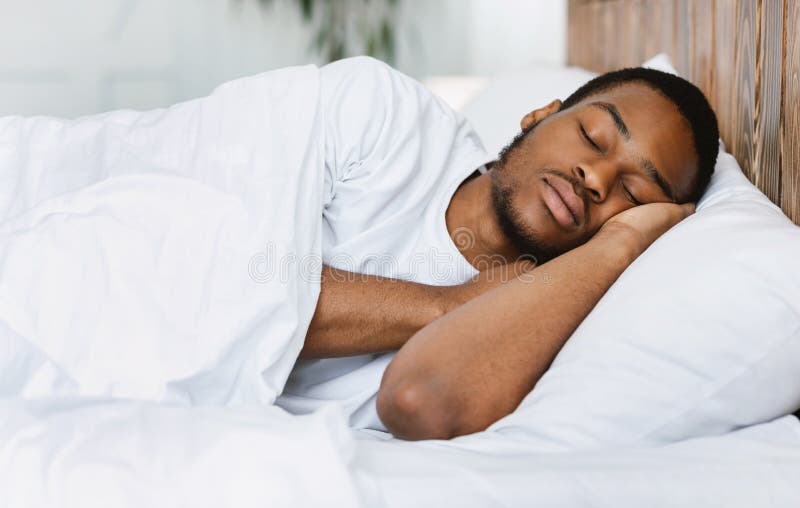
point(152, 264)
point(134, 246)
point(158, 272)
point(86, 453)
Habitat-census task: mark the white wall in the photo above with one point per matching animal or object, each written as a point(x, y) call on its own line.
point(482, 37)
point(508, 33)
point(84, 56)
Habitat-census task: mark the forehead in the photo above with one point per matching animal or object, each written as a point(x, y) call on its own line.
point(657, 131)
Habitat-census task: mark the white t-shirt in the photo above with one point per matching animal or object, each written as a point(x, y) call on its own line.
point(394, 156)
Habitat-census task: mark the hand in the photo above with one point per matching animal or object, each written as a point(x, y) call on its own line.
point(642, 225)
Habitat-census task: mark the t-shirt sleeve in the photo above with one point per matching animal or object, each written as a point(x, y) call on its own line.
point(378, 119)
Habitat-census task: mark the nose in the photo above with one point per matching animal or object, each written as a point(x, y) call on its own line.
point(597, 179)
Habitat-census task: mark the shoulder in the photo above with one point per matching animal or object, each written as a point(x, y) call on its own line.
point(362, 65)
point(365, 77)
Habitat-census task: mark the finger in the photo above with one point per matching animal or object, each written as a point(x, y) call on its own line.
point(688, 209)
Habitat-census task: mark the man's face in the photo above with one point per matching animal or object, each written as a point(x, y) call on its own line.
point(574, 169)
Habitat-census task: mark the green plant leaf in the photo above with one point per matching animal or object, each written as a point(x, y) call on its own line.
point(307, 9)
point(373, 19)
point(387, 40)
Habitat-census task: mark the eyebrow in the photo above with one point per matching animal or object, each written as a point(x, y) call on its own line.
point(655, 176)
point(649, 168)
point(614, 112)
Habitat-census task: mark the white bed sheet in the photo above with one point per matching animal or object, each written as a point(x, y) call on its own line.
point(757, 466)
point(102, 452)
point(87, 452)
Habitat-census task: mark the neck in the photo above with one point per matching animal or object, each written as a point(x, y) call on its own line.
point(473, 226)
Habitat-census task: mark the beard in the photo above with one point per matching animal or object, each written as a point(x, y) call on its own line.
point(521, 236)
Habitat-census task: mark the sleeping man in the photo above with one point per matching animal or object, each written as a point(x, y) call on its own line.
point(473, 272)
point(441, 282)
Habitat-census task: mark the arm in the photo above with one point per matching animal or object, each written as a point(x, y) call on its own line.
point(359, 314)
point(473, 366)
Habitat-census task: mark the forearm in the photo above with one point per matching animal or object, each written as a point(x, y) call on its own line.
point(359, 314)
point(474, 365)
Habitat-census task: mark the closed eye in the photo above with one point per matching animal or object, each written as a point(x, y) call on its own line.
point(590, 140)
point(630, 196)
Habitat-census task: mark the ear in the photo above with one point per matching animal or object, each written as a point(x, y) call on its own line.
point(537, 115)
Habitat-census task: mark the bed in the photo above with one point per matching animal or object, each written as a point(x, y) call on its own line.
point(623, 418)
point(745, 56)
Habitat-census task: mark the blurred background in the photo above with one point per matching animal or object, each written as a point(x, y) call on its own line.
point(86, 56)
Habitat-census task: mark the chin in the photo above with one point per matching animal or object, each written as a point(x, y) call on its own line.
point(530, 229)
point(525, 233)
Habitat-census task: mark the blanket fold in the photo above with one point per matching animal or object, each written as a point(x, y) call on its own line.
point(170, 255)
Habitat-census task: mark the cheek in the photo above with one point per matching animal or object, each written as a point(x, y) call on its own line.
point(521, 181)
point(529, 206)
point(551, 144)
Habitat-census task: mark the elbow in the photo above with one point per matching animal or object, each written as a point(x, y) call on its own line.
point(413, 411)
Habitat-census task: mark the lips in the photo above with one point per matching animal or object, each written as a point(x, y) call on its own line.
point(566, 206)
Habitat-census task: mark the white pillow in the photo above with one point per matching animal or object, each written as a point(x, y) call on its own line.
point(700, 336)
point(661, 62)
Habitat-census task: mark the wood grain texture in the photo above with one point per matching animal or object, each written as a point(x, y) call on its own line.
point(790, 114)
point(767, 168)
point(743, 54)
point(724, 51)
point(573, 21)
point(743, 113)
point(635, 18)
point(579, 25)
point(659, 28)
point(609, 51)
point(597, 42)
point(682, 56)
point(701, 64)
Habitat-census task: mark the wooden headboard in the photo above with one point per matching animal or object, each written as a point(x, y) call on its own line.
point(743, 54)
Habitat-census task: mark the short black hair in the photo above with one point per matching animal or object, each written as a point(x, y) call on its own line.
point(691, 103)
